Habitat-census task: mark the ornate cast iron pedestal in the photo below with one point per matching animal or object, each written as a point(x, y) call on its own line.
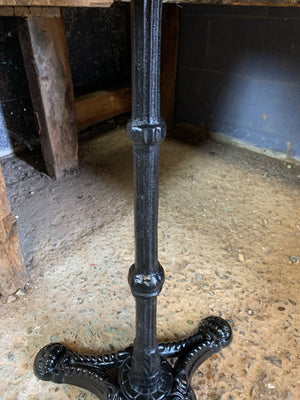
point(143, 370)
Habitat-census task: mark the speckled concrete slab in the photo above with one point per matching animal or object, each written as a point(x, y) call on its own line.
point(229, 228)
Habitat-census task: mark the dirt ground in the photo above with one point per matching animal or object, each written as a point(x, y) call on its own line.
point(229, 230)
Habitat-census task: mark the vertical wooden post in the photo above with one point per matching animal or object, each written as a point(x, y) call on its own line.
point(12, 266)
point(45, 52)
point(170, 35)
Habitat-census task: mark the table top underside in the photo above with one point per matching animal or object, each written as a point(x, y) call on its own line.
point(107, 3)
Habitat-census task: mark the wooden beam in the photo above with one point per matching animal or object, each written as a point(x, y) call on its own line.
point(29, 11)
point(169, 51)
point(102, 105)
point(13, 274)
point(45, 52)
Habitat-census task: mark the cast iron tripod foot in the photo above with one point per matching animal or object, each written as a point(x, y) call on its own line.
point(58, 364)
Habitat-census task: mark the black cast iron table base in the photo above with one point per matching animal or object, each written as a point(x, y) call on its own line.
point(58, 364)
point(143, 370)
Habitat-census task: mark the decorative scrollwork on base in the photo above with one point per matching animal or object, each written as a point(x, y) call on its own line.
point(58, 364)
point(213, 334)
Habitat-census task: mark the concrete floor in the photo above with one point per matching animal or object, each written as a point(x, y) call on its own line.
point(229, 228)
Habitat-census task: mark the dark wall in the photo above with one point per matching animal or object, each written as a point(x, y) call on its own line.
point(99, 48)
point(239, 73)
point(16, 117)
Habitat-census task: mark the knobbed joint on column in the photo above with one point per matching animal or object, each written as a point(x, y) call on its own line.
point(146, 134)
point(146, 285)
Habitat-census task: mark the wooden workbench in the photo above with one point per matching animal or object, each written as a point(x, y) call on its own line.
point(57, 113)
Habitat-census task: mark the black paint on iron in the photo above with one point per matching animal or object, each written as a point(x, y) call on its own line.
point(144, 372)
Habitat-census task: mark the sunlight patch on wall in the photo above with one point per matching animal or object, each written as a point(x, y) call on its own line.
point(5, 143)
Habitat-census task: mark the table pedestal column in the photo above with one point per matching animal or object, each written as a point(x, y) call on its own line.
point(144, 372)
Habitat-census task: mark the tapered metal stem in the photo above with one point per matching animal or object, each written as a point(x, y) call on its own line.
point(146, 43)
point(147, 130)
